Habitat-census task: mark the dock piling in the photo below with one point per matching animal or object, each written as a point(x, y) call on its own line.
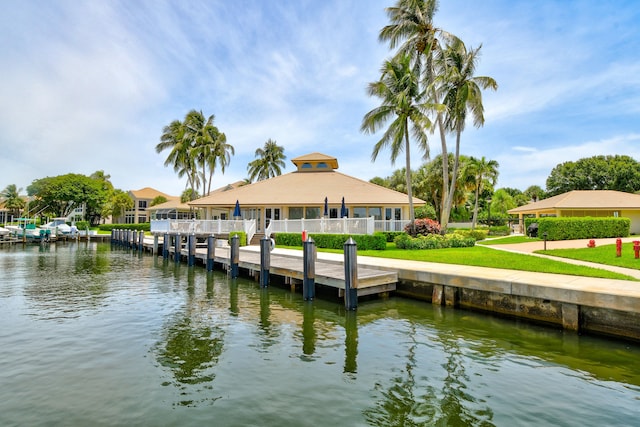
point(211, 251)
point(309, 269)
point(265, 261)
point(191, 246)
point(235, 255)
point(177, 247)
point(350, 275)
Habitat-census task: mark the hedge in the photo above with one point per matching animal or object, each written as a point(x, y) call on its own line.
point(145, 226)
point(377, 241)
point(569, 228)
point(434, 241)
point(241, 235)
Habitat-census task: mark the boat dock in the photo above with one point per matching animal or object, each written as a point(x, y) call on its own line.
point(370, 281)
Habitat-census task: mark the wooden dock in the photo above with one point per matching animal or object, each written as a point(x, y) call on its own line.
point(371, 281)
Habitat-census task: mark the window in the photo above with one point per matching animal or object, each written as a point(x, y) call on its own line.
point(312, 213)
point(306, 166)
point(359, 212)
point(322, 165)
point(333, 212)
point(376, 213)
point(295, 213)
point(142, 205)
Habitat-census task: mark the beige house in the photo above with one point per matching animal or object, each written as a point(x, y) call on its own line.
point(301, 195)
point(141, 203)
point(595, 203)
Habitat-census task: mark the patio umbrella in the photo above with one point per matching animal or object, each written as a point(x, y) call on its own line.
point(343, 209)
point(326, 206)
point(236, 211)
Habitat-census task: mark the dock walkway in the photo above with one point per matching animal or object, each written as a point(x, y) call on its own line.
point(328, 272)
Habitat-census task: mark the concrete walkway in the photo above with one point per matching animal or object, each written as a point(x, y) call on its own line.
point(537, 245)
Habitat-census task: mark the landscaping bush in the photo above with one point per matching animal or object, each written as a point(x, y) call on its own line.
point(426, 211)
point(477, 234)
point(145, 226)
point(434, 241)
point(241, 235)
point(423, 227)
point(82, 225)
point(391, 235)
point(568, 228)
point(377, 241)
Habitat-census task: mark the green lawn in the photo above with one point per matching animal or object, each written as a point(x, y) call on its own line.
point(485, 257)
point(605, 254)
point(507, 240)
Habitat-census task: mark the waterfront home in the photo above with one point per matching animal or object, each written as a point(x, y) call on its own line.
point(579, 203)
point(141, 203)
point(314, 190)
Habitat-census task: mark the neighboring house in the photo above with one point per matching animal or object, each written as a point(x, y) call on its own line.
point(595, 203)
point(175, 209)
point(302, 193)
point(141, 203)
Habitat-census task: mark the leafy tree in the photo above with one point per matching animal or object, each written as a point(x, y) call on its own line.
point(399, 92)
point(12, 200)
point(158, 200)
point(483, 171)
point(268, 163)
point(619, 172)
point(119, 203)
point(535, 193)
point(188, 195)
point(59, 195)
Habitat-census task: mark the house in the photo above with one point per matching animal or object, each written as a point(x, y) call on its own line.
point(594, 203)
point(141, 203)
point(302, 193)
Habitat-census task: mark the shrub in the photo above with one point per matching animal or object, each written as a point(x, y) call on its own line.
point(423, 227)
point(241, 235)
point(566, 228)
point(82, 225)
point(145, 226)
point(434, 241)
point(426, 211)
point(377, 241)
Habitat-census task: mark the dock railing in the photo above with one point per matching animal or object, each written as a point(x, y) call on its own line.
point(322, 226)
point(203, 227)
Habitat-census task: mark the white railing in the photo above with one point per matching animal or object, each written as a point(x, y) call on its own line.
point(390, 225)
point(195, 226)
point(322, 226)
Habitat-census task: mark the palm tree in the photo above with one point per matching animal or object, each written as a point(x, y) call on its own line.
point(268, 163)
point(12, 200)
point(208, 146)
point(461, 94)
point(175, 140)
point(399, 91)
point(413, 30)
point(483, 171)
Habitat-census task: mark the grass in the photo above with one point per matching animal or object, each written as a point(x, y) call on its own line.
point(485, 257)
point(507, 240)
point(605, 254)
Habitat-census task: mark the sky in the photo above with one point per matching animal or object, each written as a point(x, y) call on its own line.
point(89, 85)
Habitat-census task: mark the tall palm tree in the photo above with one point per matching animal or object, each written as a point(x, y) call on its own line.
point(412, 30)
point(174, 138)
point(462, 94)
point(12, 200)
point(268, 163)
point(208, 146)
point(401, 98)
point(483, 171)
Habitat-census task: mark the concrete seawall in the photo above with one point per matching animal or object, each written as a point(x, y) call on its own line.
point(576, 303)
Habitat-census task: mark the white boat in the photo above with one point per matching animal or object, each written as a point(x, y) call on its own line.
point(4, 232)
point(58, 227)
point(27, 229)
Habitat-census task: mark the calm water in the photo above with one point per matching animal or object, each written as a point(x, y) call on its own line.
point(92, 336)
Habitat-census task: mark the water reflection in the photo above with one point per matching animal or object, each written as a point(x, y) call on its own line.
point(351, 342)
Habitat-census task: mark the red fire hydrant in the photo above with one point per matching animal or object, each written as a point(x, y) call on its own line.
point(618, 247)
point(636, 248)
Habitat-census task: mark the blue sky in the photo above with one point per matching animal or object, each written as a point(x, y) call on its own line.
point(89, 85)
